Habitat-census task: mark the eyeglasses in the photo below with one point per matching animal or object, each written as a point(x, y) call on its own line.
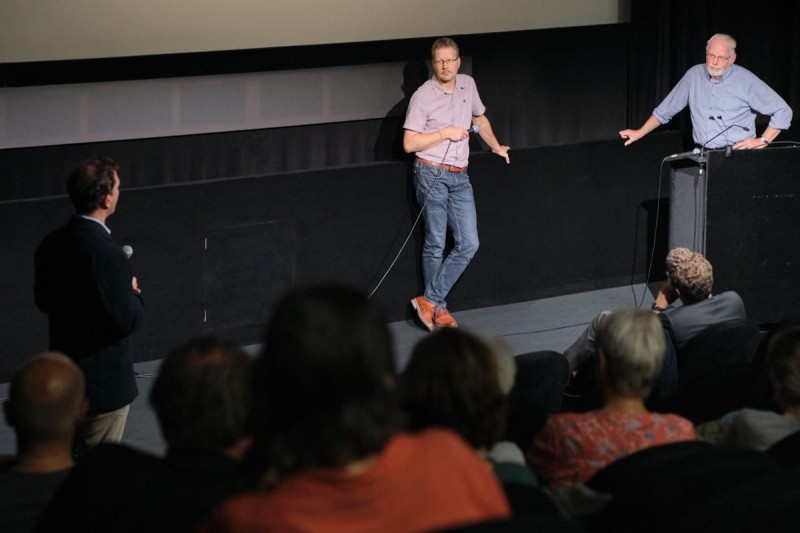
point(712, 58)
point(443, 62)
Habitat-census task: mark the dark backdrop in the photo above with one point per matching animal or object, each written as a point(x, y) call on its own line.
point(221, 223)
point(668, 37)
point(532, 98)
point(212, 256)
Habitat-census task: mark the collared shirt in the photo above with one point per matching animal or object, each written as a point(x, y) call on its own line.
point(431, 109)
point(730, 102)
point(87, 217)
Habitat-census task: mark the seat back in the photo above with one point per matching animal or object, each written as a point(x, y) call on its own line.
point(658, 488)
point(538, 391)
point(787, 450)
point(732, 341)
point(768, 501)
point(627, 473)
point(716, 373)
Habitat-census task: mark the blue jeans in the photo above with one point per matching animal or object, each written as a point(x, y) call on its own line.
point(446, 201)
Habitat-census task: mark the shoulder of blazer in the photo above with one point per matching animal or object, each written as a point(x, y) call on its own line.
point(90, 227)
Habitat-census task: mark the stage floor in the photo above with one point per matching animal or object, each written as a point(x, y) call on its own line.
point(546, 324)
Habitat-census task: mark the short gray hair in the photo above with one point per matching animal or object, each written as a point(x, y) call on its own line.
point(633, 344)
point(731, 40)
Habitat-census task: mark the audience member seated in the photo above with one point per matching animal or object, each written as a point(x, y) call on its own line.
point(685, 306)
point(685, 301)
point(573, 446)
point(326, 436)
point(458, 381)
point(201, 399)
point(45, 406)
point(759, 429)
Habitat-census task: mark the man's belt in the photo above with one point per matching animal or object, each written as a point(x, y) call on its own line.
point(449, 168)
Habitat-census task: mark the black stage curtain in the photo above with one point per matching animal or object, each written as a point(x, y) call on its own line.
point(550, 222)
point(540, 88)
point(668, 37)
point(213, 256)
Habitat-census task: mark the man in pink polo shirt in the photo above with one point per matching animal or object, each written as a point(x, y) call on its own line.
point(439, 116)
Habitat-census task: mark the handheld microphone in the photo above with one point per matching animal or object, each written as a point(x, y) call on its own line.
point(474, 129)
point(128, 251)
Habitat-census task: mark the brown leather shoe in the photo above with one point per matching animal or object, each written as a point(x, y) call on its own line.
point(443, 319)
point(425, 311)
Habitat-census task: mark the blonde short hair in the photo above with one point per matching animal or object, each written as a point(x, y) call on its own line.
point(444, 42)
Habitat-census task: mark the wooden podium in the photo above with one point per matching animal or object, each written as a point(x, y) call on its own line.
point(741, 209)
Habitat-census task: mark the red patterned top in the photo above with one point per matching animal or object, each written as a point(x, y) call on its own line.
point(572, 447)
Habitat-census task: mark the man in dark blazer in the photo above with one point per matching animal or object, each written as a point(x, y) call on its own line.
point(93, 302)
point(685, 301)
point(686, 306)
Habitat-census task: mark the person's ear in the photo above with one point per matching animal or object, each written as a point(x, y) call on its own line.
point(601, 361)
point(600, 365)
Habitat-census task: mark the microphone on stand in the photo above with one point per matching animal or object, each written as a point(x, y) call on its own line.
point(702, 160)
point(728, 147)
point(682, 155)
point(705, 145)
point(128, 251)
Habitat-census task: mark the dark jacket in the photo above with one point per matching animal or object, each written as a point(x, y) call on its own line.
point(116, 488)
point(83, 283)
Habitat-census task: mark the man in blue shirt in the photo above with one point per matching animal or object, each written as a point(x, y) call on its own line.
point(723, 100)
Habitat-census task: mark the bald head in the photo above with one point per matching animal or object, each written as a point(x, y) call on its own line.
point(46, 398)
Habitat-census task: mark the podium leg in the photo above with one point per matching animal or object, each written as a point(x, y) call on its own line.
point(687, 208)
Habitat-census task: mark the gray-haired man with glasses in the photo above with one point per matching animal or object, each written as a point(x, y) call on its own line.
point(723, 100)
point(440, 115)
